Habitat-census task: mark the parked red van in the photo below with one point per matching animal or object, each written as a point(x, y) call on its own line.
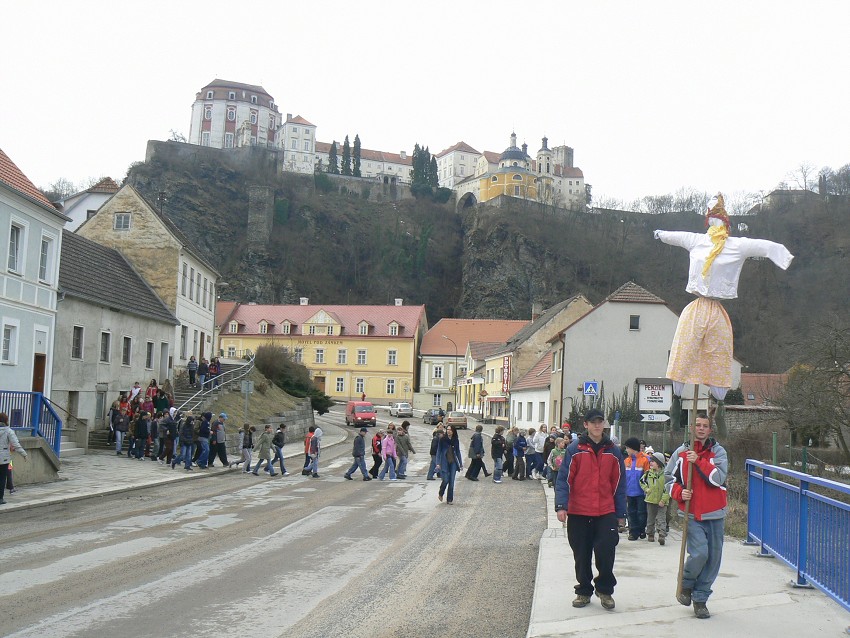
point(360, 413)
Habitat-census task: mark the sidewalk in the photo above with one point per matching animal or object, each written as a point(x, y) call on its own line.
point(753, 596)
point(104, 473)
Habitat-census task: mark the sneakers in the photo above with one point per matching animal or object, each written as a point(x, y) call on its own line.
point(684, 597)
point(254, 473)
point(701, 611)
point(651, 538)
point(440, 497)
point(348, 477)
point(286, 473)
point(660, 540)
point(581, 601)
point(497, 480)
point(633, 538)
point(367, 478)
point(642, 535)
point(606, 599)
point(315, 475)
point(305, 472)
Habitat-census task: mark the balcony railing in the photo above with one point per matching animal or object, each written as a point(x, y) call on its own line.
point(32, 413)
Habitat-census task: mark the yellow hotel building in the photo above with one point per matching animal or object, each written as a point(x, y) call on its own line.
point(348, 350)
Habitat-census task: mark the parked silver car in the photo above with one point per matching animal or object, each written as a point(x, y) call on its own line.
point(401, 409)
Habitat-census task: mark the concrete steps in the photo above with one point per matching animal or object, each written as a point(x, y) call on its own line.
point(68, 448)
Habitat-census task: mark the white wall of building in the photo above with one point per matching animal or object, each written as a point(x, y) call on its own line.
point(194, 335)
point(530, 408)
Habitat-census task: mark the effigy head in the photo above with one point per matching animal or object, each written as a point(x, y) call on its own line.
point(716, 211)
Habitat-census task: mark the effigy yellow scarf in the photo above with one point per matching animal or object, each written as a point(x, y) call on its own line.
point(718, 235)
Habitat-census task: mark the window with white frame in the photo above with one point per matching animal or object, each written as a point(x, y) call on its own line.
point(264, 328)
point(198, 288)
point(390, 386)
point(364, 329)
point(312, 330)
point(77, 336)
point(184, 338)
point(438, 400)
point(528, 413)
point(9, 350)
point(519, 410)
point(231, 114)
point(126, 351)
point(16, 239)
point(210, 299)
point(340, 385)
point(320, 355)
point(542, 414)
point(183, 280)
point(306, 145)
point(208, 113)
point(392, 357)
point(294, 144)
point(253, 117)
point(634, 322)
point(231, 352)
point(342, 356)
point(285, 328)
point(45, 260)
point(359, 385)
point(121, 221)
point(393, 329)
point(149, 355)
point(299, 354)
point(253, 99)
point(438, 372)
point(361, 357)
point(204, 297)
point(105, 347)
point(233, 327)
point(330, 330)
point(209, 95)
point(191, 284)
point(205, 138)
point(228, 140)
point(231, 95)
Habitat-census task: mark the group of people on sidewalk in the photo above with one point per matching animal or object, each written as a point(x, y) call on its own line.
point(596, 488)
point(391, 450)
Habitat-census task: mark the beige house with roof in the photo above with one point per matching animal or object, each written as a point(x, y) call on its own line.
point(387, 168)
point(445, 359)
point(83, 205)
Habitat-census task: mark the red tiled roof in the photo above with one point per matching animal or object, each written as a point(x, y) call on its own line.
point(408, 317)
point(481, 349)
point(223, 310)
point(228, 84)
point(630, 292)
point(298, 120)
point(460, 146)
point(538, 377)
point(11, 175)
point(765, 388)
point(463, 331)
point(367, 154)
point(492, 157)
point(106, 185)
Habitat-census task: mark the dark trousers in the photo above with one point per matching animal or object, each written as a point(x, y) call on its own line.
point(221, 450)
point(4, 469)
point(593, 537)
point(508, 467)
point(376, 466)
point(637, 515)
point(474, 468)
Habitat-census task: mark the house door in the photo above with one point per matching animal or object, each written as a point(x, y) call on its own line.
point(38, 367)
point(201, 346)
point(319, 382)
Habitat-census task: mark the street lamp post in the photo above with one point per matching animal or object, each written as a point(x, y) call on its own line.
point(455, 370)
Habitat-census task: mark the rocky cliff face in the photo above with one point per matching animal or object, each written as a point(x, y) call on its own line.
point(332, 243)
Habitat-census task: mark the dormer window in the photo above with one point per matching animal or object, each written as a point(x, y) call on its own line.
point(330, 330)
point(209, 95)
point(393, 329)
point(253, 99)
point(233, 327)
point(364, 329)
point(312, 330)
point(231, 95)
point(271, 104)
point(264, 328)
point(285, 328)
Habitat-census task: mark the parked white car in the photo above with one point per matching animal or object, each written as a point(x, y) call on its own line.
point(401, 409)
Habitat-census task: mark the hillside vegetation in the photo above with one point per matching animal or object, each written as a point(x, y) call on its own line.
point(337, 248)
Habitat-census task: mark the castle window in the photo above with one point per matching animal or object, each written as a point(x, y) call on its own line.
point(208, 113)
point(231, 95)
point(253, 117)
point(517, 178)
point(253, 99)
point(494, 179)
point(209, 95)
point(231, 114)
point(271, 104)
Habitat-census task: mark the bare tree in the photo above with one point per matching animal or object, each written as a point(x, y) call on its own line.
point(803, 176)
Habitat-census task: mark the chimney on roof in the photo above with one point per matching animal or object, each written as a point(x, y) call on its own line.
point(536, 311)
point(402, 154)
point(304, 301)
point(398, 301)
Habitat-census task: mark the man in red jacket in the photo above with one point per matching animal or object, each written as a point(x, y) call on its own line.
point(590, 496)
point(707, 513)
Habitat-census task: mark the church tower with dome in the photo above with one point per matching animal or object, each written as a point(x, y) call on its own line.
point(514, 176)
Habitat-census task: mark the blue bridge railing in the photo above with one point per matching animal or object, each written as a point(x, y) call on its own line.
point(32, 413)
point(805, 522)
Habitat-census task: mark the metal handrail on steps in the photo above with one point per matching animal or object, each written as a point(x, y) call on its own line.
point(225, 379)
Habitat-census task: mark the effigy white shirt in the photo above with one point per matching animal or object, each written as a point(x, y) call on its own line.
point(722, 279)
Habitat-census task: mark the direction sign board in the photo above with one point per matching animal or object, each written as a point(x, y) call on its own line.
point(658, 418)
point(591, 388)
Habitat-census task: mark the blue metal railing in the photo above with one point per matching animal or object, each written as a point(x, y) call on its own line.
point(807, 530)
point(32, 412)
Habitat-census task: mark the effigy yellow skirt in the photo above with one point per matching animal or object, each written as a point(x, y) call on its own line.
point(702, 346)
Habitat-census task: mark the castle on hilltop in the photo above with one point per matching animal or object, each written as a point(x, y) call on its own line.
point(229, 114)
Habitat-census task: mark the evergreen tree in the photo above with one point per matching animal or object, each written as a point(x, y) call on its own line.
point(346, 157)
point(421, 166)
point(333, 162)
point(356, 155)
point(433, 174)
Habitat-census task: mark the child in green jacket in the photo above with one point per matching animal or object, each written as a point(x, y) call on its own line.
point(652, 483)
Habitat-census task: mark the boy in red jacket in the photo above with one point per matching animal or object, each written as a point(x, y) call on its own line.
point(707, 512)
point(590, 496)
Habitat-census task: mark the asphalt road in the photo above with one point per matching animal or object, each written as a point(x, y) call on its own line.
point(298, 557)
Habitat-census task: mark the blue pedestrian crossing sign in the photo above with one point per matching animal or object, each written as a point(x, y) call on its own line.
point(591, 388)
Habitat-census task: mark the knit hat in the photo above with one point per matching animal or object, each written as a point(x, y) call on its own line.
point(633, 443)
point(658, 457)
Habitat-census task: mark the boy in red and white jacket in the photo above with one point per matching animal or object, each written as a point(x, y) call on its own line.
point(707, 512)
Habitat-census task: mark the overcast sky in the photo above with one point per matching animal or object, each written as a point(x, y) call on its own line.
point(653, 96)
